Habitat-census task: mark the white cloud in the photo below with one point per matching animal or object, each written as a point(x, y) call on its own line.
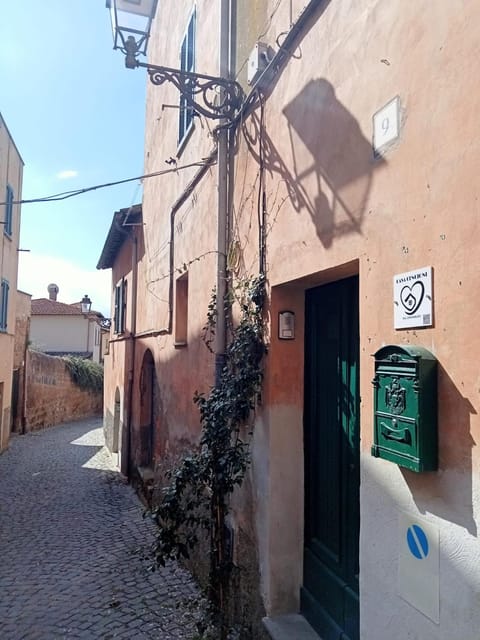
point(68, 173)
point(36, 272)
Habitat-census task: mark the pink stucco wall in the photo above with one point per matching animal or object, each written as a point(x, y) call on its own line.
point(333, 210)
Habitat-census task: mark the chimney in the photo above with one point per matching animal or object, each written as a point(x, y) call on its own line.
point(52, 291)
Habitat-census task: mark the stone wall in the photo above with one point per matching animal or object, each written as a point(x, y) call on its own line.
point(22, 334)
point(52, 397)
point(22, 327)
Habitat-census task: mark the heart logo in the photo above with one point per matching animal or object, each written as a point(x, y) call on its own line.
point(412, 297)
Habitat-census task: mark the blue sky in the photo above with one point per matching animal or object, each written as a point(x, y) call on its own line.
point(76, 115)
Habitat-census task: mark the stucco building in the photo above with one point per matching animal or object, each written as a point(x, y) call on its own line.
point(349, 175)
point(123, 245)
point(11, 174)
point(60, 329)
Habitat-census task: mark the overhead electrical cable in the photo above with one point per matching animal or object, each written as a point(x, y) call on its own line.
point(77, 192)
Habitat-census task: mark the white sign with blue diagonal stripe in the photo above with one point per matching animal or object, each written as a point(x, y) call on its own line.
point(418, 565)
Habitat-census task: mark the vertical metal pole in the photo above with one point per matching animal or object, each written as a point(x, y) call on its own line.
point(222, 217)
point(131, 372)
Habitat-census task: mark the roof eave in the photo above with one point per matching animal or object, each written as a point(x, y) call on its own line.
point(117, 234)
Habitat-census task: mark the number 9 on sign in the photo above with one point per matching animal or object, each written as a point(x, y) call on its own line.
point(386, 125)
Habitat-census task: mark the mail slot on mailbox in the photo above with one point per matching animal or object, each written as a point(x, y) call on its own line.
point(405, 406)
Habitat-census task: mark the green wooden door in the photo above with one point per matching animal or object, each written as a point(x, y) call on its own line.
point(329, 595)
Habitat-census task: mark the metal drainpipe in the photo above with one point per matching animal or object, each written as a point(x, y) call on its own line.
point(23, 418)
point(223, 199)
point(133, 331)
point(88, 333)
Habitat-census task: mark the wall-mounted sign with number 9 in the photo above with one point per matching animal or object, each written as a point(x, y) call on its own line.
point(386, 126)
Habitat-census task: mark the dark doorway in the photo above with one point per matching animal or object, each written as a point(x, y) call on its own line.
point(15, 417)
point(329, 594)
point(1, 412)
point(116, 426)
point(147, 418)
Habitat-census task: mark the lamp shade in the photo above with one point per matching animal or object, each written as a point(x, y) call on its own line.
point(86, 304)
point(131, 18)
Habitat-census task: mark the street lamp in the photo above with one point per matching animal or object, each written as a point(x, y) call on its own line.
point(131, 19)
point(86, 304)
point(131, 25)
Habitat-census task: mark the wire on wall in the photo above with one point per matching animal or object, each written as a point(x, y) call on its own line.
point(262, 196)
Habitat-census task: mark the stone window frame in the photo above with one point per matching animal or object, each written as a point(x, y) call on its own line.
point(181, 311)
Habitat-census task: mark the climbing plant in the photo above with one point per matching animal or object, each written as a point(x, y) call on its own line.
point(86, 374)
point(197, 493)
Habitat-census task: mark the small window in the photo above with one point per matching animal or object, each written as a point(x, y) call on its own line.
point(187, 63)
point(120, 306)
point(7, 228)
point(181, 311)
point(4, 305)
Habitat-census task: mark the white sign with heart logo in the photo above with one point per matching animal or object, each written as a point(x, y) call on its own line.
point(413, 299)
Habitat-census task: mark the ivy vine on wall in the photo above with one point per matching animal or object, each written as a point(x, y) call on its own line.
point(88, 375)
point(196, 497)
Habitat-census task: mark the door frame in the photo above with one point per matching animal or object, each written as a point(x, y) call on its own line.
point(278, 448)
point(330, 589)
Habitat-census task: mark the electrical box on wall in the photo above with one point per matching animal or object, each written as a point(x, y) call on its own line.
point(405, 407)
point(286, 325)
point(257, 62)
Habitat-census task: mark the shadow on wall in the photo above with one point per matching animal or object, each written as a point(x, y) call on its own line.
point(384, 611)
point(334, 184)
point(447, 497)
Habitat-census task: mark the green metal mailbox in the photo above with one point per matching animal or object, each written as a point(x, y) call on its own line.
point(405, 407)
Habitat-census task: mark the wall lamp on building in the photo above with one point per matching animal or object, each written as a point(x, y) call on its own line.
point(86, 304)
point(220, 98)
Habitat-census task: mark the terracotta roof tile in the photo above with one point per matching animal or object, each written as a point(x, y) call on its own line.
point(44, 306)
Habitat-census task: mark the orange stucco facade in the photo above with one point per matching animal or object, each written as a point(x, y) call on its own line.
point(332, 208)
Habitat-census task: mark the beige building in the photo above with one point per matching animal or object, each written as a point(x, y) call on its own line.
point(62, 329)
point(11, 173)
point(349, 177)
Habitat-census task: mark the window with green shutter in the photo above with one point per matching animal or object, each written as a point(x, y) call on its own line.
point(4, 305)
point(120, 307)
point(187, 63)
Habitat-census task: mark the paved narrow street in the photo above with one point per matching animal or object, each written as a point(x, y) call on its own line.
point(71, 536)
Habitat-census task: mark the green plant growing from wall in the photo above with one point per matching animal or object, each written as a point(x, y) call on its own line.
point(197, 494)
point(86, 374)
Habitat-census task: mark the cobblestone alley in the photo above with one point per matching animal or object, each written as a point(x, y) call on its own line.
point(70, 529)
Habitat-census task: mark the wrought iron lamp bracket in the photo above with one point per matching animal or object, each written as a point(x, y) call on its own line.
point(219, 98)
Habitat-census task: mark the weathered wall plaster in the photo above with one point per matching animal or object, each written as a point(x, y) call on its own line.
point(333, 210)
point(331, 206)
